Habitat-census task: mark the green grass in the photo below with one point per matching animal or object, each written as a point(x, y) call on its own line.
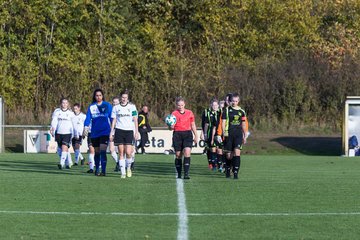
point(280, 184)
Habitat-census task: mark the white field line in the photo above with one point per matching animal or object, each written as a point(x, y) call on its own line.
point(289, 214)
point(182, 211)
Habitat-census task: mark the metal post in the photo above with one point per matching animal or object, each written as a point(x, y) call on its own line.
point(2, 125)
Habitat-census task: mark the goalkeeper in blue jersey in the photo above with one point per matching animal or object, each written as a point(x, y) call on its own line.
point(99, 115)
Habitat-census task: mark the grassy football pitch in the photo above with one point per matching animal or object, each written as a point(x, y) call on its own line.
point(276, 197)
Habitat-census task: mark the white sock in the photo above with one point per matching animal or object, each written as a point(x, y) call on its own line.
point(122, 166)
point(81, 156)
point(91, 161)
point(69, 160)
point(63, 158)
point(128, 162)
point(114, 156)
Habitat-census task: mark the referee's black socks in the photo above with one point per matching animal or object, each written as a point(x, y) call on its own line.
point(178, 165)
point(227, 167)
point(186, 166)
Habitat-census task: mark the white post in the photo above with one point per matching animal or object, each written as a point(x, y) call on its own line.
point(351, 125)
point(2, 125)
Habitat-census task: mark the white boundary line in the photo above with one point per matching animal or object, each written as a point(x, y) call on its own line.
point(186, 214)
point(183, 214)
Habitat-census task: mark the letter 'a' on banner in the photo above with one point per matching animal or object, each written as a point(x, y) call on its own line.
point(351, 127)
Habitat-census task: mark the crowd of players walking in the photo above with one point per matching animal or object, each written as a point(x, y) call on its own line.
point(118, 126)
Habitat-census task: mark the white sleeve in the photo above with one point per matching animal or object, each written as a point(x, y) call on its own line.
point(73, 129)
point(54, 120)
point(81, 127)
point(134, 109)
point(73, 121)
point(113, 113)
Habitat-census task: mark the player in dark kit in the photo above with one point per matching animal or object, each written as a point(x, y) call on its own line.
point(204, 134)
point(183, 136)
point(234, 131)
point(144, 128)
point(218, 135)
point(210, 121)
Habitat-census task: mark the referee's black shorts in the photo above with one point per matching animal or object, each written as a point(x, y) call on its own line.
point(182, 139)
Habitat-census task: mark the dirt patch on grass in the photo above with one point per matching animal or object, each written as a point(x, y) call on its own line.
point(261, 143)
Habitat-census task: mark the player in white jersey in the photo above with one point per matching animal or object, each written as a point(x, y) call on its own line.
point(62, 129)
point(112, 148)
point(78, 123)
point(124, 132)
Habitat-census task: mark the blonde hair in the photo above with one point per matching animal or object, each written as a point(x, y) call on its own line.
point(179, 99)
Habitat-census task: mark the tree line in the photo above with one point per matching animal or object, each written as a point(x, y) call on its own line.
point(292, 62)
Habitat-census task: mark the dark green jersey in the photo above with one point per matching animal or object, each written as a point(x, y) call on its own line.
point(234, 118)
point(211, 118)
point(216, 120)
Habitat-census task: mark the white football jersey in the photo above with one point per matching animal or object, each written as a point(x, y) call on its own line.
point(62, 121)
point(78, 123)
point(124, 116)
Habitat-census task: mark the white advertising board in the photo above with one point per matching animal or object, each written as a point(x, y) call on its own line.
point(40, 141)
point(37, 141)
point(351, 124)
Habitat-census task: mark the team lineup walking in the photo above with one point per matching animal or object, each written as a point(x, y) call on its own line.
point(123, 131)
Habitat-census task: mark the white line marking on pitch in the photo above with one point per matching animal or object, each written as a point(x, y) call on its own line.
point(182, 211)
point(290, 214)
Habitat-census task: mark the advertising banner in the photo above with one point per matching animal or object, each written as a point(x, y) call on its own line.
point(160, 141)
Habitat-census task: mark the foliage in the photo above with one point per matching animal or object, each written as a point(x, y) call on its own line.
point(291, 61)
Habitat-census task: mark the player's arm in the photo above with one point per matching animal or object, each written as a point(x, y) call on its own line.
point(244, 129)
point(204, 132)
point(73, 127)
point(81, 126)
point(54, 122)
point(219, 128)
point(113, 123)
point(134, 114)
point(148, 127)
point(136, 129)
point(213, 133)
point(141, 120)
point(223, 126)
point(193, 129)
point(87, 123)
point(110, 112)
